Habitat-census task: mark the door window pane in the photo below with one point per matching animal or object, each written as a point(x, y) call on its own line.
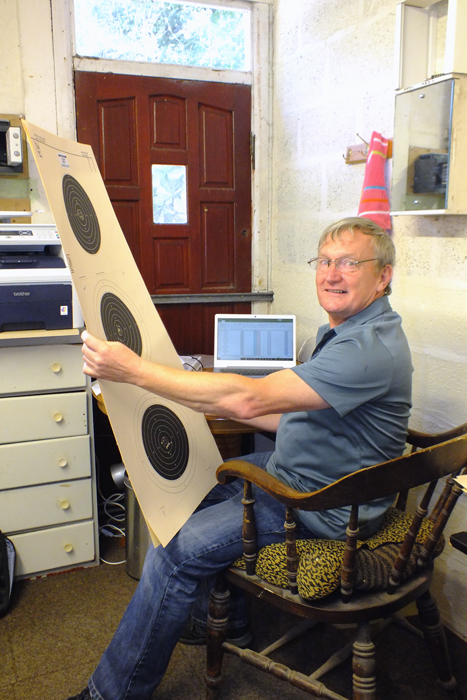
point(169, 194)
point(163, 32)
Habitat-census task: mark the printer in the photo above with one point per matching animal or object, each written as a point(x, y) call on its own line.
point(36, 291)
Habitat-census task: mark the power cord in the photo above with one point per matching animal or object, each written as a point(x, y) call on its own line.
point(196, 365)
point(113, 507)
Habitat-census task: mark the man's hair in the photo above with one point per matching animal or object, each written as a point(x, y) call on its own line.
point(382, 243)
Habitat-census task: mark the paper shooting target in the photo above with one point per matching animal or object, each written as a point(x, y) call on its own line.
point(166, 445)
point(119, 323)
point(119, 317)
point(168, 449)
point(81, 215)
point(165, 441)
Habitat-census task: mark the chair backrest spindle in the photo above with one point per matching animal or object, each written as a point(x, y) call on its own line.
point(291, 548)
point(349, 565)
point(428, 549)
point(442, 499)
point(407, 546)
point(249, 529)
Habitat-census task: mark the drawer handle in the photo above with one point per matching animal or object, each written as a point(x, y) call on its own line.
point(62, 463)
point(56, 367)
point(58, 417)
point(65, 505)
point(68, 548)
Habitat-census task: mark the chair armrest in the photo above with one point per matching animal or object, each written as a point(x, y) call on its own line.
point(422, 440)
point(364, 485)
point(250, 472)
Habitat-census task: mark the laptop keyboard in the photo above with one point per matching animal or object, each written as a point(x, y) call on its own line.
point(250, 371)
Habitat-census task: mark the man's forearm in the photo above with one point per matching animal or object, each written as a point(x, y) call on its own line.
point(225, 395)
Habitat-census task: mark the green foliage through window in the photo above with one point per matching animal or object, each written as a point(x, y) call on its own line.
point(163, 32)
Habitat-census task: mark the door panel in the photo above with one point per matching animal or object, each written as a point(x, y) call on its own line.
point(171, 259)
point(216, 146)
point(117, 126)
point(127, 213)
point(218, 268)
point(134, 122)
point(168, 122)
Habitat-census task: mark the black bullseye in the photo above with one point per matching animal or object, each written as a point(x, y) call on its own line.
point(119, 323)
point(165, 442)
point(81, 215)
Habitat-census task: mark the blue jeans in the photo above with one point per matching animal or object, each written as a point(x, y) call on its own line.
point(136, 659)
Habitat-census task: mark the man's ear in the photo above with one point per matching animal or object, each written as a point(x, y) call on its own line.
point(385, 277)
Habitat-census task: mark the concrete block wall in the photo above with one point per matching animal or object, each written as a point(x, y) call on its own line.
point(333, 77)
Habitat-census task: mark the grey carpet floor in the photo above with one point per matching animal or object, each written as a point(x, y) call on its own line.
point(58, 626)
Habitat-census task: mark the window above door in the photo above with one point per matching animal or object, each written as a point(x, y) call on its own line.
point(158, 31)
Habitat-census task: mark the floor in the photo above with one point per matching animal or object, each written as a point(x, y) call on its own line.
point(58, 626)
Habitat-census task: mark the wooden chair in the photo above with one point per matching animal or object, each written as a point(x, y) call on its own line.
point(354, 602)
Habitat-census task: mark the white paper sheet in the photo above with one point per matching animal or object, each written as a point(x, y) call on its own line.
point(462, 481)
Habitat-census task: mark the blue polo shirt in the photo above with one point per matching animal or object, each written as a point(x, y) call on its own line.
point(364, 372)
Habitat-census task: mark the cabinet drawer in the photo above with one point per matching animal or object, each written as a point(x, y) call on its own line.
point(38, 368)
point(54, 548)
point(41, 417)
point(41, 506)
point(44, 461)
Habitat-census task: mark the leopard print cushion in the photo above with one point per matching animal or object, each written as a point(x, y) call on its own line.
point(320, 560)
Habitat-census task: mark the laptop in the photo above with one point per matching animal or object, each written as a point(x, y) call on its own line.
point(254, 344)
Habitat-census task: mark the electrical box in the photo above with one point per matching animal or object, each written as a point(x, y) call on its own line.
point(13, 148)
point(430, 147)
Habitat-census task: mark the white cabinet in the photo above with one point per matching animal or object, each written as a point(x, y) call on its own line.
point(430, 123)
point(48, 505)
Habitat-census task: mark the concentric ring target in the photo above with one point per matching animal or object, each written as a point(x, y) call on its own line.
point(119, 323)
point(165, 441)
point(81, 215)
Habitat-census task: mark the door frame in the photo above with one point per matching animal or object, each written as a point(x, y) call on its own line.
point(65, 63)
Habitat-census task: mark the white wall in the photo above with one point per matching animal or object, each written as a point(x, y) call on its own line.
point(333, 77)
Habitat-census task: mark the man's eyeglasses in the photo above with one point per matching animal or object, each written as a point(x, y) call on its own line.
point(345, 264)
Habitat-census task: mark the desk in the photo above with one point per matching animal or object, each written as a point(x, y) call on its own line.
point(230, 436)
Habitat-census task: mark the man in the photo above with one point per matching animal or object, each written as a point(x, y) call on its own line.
point(344, 409)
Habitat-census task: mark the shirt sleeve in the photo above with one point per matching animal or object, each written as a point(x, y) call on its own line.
point(349, 371)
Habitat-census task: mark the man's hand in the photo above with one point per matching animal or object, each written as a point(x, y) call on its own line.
point(112, 361)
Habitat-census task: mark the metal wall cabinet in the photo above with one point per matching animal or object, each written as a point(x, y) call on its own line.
point(430, 147)
point(48, 502)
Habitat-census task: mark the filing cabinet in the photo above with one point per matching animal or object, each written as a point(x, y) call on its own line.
point(48, 503)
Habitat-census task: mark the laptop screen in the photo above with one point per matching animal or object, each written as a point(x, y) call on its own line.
point(255, 340)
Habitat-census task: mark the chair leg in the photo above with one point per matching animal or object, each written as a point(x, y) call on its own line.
point(364, 681)
point(216, 634)
point(436, 639)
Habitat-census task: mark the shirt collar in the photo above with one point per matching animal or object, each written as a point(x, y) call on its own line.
point(376, 308)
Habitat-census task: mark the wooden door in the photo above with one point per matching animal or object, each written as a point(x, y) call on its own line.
point(133, 123)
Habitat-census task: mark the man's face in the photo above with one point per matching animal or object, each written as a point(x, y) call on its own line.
point(344, 294)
